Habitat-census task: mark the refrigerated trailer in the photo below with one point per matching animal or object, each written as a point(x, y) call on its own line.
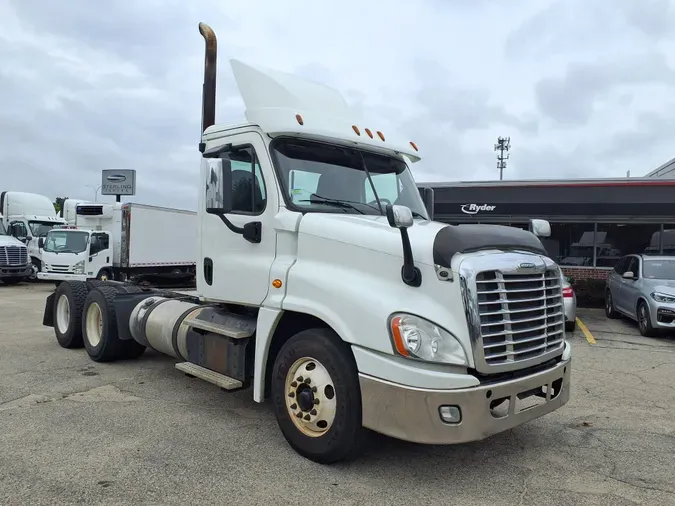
point(324, 283)
point(122, 242)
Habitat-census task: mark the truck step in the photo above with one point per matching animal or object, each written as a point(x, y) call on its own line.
point(217, 328)
point(208, 375)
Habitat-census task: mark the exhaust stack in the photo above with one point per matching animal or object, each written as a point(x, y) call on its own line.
point(209, 85)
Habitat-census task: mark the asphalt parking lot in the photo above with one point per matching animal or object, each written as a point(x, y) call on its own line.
point(140, 432)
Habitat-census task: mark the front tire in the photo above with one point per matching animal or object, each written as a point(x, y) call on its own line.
point(645, 320)
point(68, 303)
point(317, 397)
point(104, 275)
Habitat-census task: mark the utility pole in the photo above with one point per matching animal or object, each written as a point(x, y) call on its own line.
point(503, 144)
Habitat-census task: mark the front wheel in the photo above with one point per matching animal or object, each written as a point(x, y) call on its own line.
point(317, 398)
point(104, 275)
point(645, 320)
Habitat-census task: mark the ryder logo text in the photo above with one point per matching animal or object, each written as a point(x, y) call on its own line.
point(476, 208)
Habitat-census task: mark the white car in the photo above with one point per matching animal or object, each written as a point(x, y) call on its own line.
point(570, 306)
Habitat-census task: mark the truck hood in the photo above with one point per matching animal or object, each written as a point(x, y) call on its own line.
point(373, 233)
point(8, 240)
point(433, 243)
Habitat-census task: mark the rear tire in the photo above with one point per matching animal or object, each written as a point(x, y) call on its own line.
point(68, 303)
point(320, 419)
point(99, 326)
point(610, 312)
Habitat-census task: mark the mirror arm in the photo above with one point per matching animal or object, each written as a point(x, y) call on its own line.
point(252, 231)
point(410, 274)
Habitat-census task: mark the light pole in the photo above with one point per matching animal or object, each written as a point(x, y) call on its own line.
point(96, 189)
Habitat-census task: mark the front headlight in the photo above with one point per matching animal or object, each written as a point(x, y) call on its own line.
point(78, 268)
point(415, 337)
point(662, 297)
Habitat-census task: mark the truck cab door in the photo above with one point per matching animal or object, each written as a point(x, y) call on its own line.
point(232, 267)
point(100, 254)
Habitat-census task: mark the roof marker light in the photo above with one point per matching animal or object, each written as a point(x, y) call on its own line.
point(370, 134)
point(299, 118)
point(356, 130)
point(380, 135)
point(414, 146)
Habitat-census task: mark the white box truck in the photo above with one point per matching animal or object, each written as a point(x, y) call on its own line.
point(122, 241)
point(333, 291)
point(29, 216)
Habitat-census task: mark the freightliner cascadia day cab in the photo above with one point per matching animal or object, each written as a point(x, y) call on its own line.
point(323, 283)
point(15, 263)
point(123, 242)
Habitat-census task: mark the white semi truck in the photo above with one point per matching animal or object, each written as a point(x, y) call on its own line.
point(122, 242)
point(15, 263)
point(29, 216)
point(323, 283)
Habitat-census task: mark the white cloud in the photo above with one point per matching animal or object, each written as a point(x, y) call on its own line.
point(582, 88)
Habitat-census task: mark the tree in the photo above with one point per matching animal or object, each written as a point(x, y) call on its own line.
point(58, 204)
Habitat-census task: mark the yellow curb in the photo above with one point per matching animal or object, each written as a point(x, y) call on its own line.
point(587, 333)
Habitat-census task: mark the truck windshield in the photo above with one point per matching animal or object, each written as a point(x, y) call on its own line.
point(40, 228)
point(659, 269)
point(66, 241)
point(323, 177)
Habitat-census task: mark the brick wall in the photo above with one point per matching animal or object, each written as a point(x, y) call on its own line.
point(587, 273)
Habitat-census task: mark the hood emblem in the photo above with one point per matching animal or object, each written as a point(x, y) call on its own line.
point(117, 178)
point(527, 265)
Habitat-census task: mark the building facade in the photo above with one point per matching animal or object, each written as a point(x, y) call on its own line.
point(665, 171)
point(593, 222)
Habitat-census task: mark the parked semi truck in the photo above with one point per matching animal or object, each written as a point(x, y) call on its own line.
point(323, 283)
point(15, 265)
point(29, 216)
point(122, 241)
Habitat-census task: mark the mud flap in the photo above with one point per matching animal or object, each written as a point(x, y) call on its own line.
point(48, 316)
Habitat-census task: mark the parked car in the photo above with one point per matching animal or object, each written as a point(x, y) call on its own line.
point(642, 287)
point(570, 306)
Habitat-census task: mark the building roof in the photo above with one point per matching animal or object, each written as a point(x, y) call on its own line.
point(665, 170)
point(625, 181)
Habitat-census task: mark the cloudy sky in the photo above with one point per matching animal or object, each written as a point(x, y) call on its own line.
point(583, 88)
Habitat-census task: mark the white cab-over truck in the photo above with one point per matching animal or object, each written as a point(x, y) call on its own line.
point(323, 283)
point(15, 264)
point(122, 242)
point(29, 216)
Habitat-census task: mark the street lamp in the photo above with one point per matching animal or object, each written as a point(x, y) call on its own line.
point(95, 188)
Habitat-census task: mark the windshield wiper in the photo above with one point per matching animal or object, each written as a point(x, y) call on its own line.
point(344, 204)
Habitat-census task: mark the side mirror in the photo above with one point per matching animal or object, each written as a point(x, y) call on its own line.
point(540, 228)
point(218, 186)
point(629, 275)
point(29, 238)
point(41, 242)
point(399, 216)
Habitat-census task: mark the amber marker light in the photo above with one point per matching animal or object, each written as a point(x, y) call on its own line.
point(277, 283)
point(414, 146)
point(356, 130)
point(398, 339)
point(380, 135)
point(369, 133)
point(299, 118)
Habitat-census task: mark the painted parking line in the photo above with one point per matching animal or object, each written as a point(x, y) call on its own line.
point(587, 333)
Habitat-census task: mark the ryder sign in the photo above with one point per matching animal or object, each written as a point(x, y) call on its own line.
point(476, 208)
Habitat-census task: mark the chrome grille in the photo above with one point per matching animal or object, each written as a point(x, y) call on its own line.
point(59, 268)
point(521, 316)
point(11, 256)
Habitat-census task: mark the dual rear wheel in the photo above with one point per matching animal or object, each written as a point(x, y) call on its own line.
point(87, 318)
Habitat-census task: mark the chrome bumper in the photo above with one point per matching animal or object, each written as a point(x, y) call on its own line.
point(413, 414)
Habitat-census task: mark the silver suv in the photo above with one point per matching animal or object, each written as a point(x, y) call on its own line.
point(642, 287)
